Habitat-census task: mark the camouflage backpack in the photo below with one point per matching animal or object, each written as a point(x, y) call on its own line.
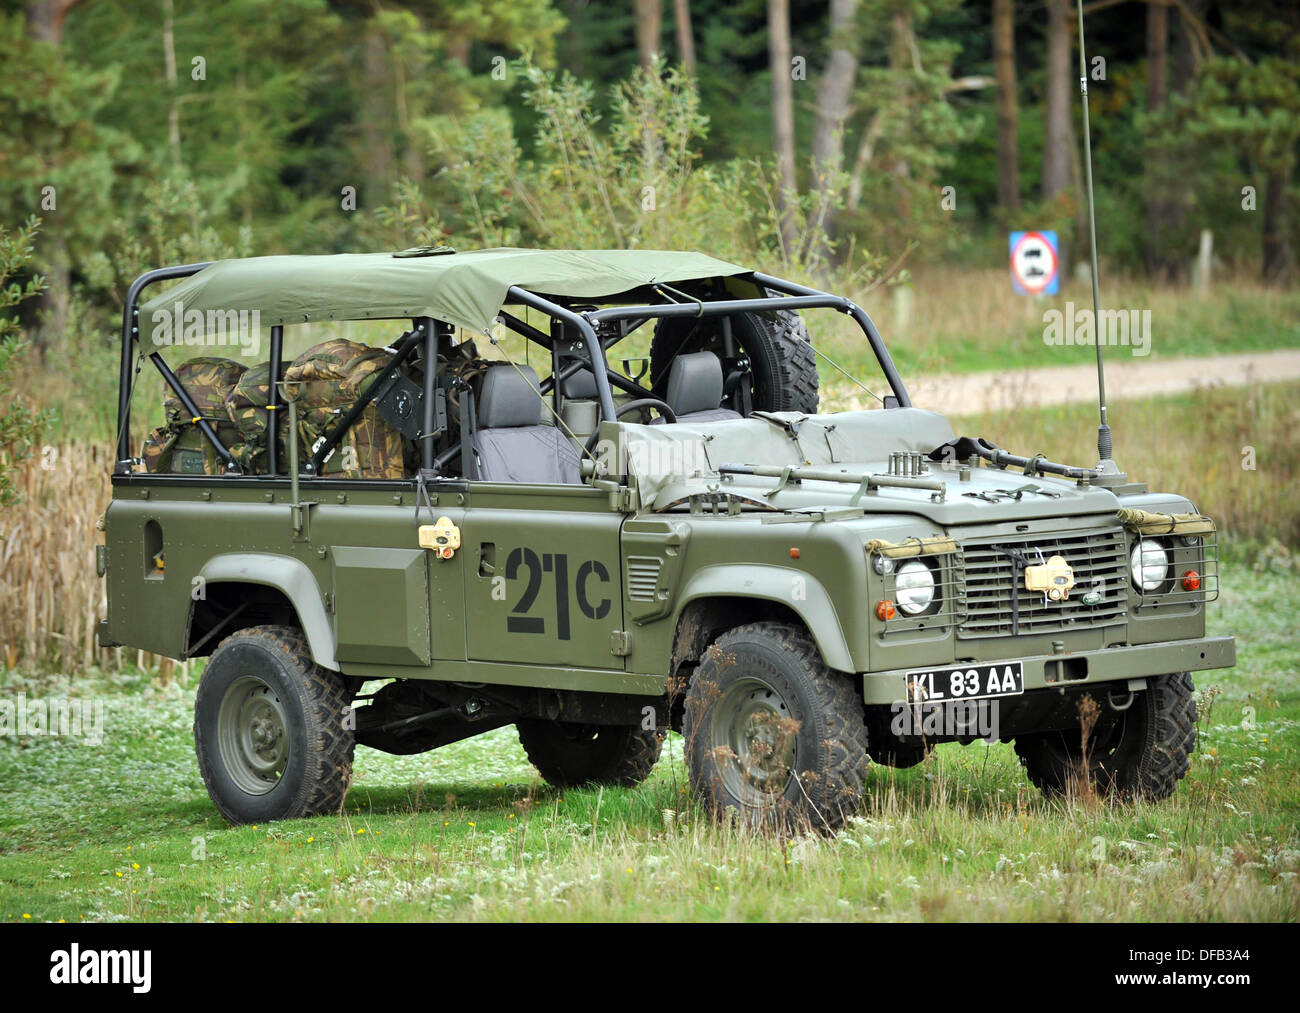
point(324, 382)
point(246, 408)
point(178, 445)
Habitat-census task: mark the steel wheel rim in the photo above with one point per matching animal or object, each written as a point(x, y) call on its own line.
point(252, 735)
point(753, 742)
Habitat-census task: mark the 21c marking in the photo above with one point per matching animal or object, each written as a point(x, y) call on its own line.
point(519, 621)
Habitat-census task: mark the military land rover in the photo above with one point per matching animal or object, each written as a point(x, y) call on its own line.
point(405, 541)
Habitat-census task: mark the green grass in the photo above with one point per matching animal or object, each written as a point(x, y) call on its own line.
point(971, 321)
point(1195, 444)
point(961, 321)
point(125, 831)
point(968, 321)
point(470, 832)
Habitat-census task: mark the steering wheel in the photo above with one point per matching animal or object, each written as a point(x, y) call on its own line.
point(662, 407)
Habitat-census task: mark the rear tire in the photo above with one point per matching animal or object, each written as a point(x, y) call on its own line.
point(270, 728)
point(568, 754)
point(772, 734)
point(783, 365)
point(1142, 756)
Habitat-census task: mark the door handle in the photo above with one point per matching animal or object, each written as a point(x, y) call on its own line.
point(487, 559)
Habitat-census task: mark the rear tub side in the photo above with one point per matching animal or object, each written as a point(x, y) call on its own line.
point(150, 607)
point(374, 604)
point(222, 534)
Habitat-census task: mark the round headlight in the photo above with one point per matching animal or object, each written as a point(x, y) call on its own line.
point(914, 587)
point(1149, 563)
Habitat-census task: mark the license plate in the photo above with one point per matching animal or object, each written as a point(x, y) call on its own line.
point(966, 682)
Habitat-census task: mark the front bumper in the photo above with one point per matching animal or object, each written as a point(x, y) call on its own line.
point(1073, 669)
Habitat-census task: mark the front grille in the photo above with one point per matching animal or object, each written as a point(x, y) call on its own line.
point(1100, 563)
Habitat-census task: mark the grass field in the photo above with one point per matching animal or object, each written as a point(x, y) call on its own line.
point(1234, 451)
point(972, 320)
point(959, 321)
point(125, 831)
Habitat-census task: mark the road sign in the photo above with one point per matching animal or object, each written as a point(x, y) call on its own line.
point(1034, 263)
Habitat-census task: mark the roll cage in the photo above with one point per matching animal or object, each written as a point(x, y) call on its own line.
point(581, 335)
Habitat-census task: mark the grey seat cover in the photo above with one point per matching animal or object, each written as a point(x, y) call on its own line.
point(695, 389)
point(509, 445)
point(580, 386)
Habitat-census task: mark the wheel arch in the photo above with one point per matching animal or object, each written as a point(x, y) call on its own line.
point(287, 592)
point(720, 597)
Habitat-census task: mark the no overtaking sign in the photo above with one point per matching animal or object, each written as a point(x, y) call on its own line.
point(1034, 263)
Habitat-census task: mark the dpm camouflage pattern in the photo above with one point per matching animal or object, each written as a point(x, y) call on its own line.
point(246, 407)
point(178, 445)
point(324, 382)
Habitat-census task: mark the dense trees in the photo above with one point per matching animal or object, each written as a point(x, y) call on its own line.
point(832, 127)
point(1004, 62)
point(782, 73)
point(20, 423)
point(1058, 152)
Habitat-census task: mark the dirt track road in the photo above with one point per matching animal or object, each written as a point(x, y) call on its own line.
point(1126, 378)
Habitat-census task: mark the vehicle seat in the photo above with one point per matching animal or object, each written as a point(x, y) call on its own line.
point(581, 386)
point(509, 444)
point(695, 389)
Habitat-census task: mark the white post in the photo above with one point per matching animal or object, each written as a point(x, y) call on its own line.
point(902, 308)
point(1204, 258)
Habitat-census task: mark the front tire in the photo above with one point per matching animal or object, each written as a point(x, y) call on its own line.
point(772, 734)
point(568, 754)
point(270, 728)
point(1143, 755)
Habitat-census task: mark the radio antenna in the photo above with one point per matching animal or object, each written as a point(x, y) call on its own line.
point(1104, 445)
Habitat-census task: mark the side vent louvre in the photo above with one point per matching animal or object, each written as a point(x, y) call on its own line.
point(643, 577)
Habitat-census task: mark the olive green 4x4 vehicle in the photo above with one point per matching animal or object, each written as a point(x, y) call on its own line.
point(405, 542)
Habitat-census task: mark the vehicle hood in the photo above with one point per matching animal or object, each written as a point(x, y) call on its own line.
point(676, 467)
point(988, 495)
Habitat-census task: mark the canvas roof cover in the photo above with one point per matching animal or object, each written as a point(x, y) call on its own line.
point(464, 289)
